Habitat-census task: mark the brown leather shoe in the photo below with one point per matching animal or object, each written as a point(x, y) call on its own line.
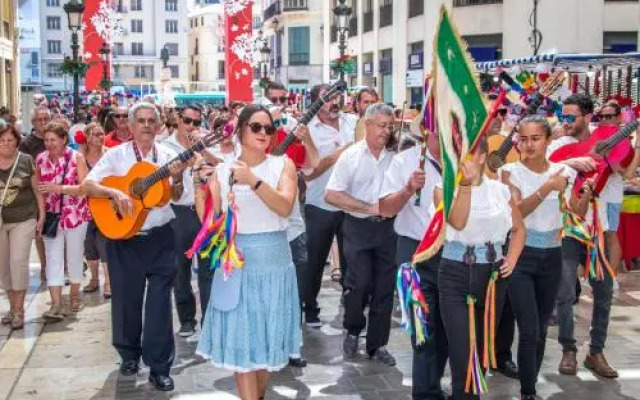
point(569, 363)
point(598, 364)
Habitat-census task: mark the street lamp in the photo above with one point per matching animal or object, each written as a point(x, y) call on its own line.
point(265, 53)
point(104, 54)
point(74, 10)
point(342, 12)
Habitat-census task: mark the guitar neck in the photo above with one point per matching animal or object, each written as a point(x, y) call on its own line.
point(306, 118)
point(621, 135)
point(163, 172)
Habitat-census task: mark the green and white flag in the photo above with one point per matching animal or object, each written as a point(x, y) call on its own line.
point(460, 109)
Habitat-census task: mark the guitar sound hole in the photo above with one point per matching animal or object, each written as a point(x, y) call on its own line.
point(494, 161)
point(136, 188)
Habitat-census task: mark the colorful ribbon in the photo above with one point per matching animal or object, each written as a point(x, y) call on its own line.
point(412, 303)
point(476, 383)
point(489, 353)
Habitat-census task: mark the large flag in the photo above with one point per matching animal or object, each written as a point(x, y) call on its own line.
point(460, 109)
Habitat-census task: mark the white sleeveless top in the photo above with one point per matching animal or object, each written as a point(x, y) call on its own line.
point(489, 215)
point(253, 216)
point(546, 217)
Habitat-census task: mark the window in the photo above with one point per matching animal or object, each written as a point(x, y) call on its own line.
point(136, 25)
point(140, 72)
point(136, 49)
point(136, 5)
point(171, 5)
point(53, 3)
point(196, 49)
point(171, 26)
point(54, 46)
point(34, 58)
point(173, 48)
point(53, 70)
point(221, 69)
point(201, 21)
point(299, 45)
point(118, 49)
point(416, 7)
point(175, 71)
point(463, 3)
point(620, 42)
point(386, 13)
point(53, 23)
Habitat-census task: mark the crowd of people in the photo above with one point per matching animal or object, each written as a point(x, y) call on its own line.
point(344, 191)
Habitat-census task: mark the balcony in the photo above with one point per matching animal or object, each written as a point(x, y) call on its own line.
point(367, 19)
point(416, 8)
point(271, 11)
point(464, 3)
point(298, 58)
point(353, 27)
point(295, 5)
point(386, 15)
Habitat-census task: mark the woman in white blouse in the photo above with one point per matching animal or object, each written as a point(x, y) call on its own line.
point(481, 217)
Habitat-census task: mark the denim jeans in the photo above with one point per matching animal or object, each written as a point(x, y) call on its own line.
point(429, 359)
point(574, 253)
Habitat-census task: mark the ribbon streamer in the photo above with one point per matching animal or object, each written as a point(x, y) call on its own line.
point(476, 383)
point(412, 303)
point(489, 353)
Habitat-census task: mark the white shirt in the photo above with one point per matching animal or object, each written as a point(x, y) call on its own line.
point(188, 194)
point(118, 160)
point(412, 221)
point(253, 214)
point(489, 216)
point(358, 173)
point(296, 222)
point(613, 190)
point(546, 217)
point(327, 140)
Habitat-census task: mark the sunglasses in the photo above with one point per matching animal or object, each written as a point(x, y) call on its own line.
point(256, 127)
point(276, 100)
point(194, 122)
point(568, 118)
point(120, 116)
point(608, 116)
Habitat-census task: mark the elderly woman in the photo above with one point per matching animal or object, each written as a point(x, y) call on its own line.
point(61, 170)
point(22, 215)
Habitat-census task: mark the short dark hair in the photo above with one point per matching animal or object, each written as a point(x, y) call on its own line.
point(368, 90)
point(315, 91)
point(194, 107)
point(273, 86)
point(245, 116)
point(14, 132)
point(584, 103)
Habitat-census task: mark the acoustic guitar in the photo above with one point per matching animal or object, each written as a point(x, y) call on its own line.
point(147, 185)
point(501, 149)
point(607, 146)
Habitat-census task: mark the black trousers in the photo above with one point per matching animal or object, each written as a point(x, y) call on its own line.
point(533, 289)
point(322, 227)
point(185, 228)
point(370, 249)
point(298, 248)
point(143, 262)
point(456, 280)
point(505, 331)
point(429, 359)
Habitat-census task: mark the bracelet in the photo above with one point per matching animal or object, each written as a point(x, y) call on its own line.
point(257, 184)
point(539, 195)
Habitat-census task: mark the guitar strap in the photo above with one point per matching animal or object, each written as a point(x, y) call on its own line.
point(136, 151)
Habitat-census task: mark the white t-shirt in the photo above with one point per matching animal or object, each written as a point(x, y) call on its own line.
point(412, 221)
point(489, 215)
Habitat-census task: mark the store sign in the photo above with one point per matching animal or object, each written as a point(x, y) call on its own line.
point(367, 68)
point(416, 60)
point(415, 78)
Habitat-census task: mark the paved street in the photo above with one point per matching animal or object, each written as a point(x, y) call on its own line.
point(74, 360)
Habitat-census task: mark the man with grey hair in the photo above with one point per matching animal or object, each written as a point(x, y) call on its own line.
point(148, 257)
point(122, 133)
point(369, 238)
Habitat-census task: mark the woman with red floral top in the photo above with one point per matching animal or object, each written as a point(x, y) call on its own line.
point(61, 171)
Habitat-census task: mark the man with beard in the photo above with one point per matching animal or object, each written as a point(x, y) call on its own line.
point(364, 98)
point(576, 115)
point(369, 239)
point(122, 133)
point(332, 132)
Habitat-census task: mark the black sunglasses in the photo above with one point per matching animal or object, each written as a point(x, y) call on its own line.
point(282, 99)
point(502, 112)
point(194, 122)
point(608, 116)
point(256, 127)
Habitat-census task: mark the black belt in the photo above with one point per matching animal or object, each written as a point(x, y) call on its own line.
point(372, 218)
point(191, 207)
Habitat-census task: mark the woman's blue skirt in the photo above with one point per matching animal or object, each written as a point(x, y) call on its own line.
point(263, 331)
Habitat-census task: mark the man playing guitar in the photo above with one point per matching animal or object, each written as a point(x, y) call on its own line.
point(148, 256)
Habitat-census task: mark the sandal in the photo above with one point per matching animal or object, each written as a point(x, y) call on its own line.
point(76, 304)
point(54, 314)
point(107, 291)
point(93, 286)
point(7, 318)
point(18, 320)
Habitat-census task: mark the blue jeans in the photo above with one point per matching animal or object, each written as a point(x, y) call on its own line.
point(574, 253)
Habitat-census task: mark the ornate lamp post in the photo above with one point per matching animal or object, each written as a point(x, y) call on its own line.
point(74, 10)
point(265, 54)
point(342, 12)
point(104, 54)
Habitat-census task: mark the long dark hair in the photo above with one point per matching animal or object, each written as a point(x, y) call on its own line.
point(245, 117)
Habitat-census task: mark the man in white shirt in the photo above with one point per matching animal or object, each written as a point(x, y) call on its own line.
point(186, 227)
point(149, 256)
point(369, 238)
point(398, 198)
point(332, 132)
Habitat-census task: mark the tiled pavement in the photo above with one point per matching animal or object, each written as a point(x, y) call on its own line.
point(74, 360)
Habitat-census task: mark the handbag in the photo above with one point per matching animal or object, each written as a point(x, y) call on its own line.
point(52, 219)
point(6, 185)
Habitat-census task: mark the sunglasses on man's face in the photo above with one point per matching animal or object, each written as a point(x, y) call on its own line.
point(256, 127)
point(608, 117)
point(568, 118)
point(276, 100)
point(194, 122)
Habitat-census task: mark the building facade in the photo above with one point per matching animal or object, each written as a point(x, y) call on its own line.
point(149, 26)
point(9, 61)
point(392, 38)
point(296, 32)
